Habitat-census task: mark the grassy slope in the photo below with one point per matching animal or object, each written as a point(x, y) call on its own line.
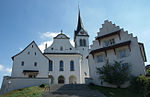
point(26, 92)
point(115, 92)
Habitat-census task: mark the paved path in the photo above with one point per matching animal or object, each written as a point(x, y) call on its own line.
point(78, 90)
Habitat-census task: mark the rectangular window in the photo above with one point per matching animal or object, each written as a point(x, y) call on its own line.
point(109, 42)
point(100, 58)
point(50, 66)
point(123, 53)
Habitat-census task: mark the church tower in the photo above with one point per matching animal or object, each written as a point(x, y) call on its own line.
point(81, 39)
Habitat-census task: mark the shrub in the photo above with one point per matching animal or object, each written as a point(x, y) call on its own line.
point(92, 84)
point(140, 85)
point(117, 73)
point(43, 85)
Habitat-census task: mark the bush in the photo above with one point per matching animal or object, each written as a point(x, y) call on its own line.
point(140, 85)
point(92, 84)
point(117, 73)
point(43, 85)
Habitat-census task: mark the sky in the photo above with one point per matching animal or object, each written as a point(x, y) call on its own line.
point(22, 21)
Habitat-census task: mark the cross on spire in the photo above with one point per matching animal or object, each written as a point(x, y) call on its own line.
point(61, 31)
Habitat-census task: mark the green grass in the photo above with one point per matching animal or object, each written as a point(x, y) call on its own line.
point(26, 92)
point(115, 92)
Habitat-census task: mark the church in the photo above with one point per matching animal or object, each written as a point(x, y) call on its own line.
point(62, 63)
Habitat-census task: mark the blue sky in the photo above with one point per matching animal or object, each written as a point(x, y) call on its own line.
point(22, 21)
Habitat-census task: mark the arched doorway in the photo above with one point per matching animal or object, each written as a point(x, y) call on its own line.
point(52, 78)
point(61, 80)
point(72, 79)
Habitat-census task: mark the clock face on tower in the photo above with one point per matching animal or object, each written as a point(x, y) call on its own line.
point(82, 32)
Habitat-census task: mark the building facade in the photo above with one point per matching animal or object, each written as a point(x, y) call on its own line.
point(113, 43)
point(62, 63)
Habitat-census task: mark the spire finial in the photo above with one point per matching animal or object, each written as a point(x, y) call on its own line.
point(61, 31)
point(78, 7)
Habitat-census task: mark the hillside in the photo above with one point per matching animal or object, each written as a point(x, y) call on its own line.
point(26, 92)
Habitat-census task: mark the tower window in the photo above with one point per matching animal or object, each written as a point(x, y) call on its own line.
point(82, 42)
point(70, 48)
point(52, 48)
point(22, 63)
point(35, 64)
point(28, 53)
point(32, 46)
point(35, 53)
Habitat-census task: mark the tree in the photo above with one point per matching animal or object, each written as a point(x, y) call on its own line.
point(148, 70)
point(116, 73)
point(140, 85)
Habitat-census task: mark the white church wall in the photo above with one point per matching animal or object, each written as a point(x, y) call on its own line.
point(66, 73)
point(29, 59)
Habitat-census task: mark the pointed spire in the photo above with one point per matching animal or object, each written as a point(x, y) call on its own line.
point(80, 24)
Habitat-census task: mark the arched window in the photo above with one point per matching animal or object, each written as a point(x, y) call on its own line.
point(81, 43)
point(71, 65)
point(50, 65)
point(84, 42)
point(61, 67)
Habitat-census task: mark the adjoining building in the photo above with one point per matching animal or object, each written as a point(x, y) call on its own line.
point(113, 43)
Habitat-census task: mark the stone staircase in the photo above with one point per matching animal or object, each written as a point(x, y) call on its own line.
point(72, 90)
point(62, 87)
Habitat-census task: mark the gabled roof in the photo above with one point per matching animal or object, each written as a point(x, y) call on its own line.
point(26, 48)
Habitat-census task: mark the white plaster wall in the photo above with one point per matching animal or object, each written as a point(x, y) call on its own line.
point(19, 83)
point(85, 52)
point(61, 42)
point(134, 58)
point(66, 73)
point(42, 62)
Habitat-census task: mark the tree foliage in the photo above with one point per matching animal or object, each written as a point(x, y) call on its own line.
point(148, 70)
point(116, 73)
point(140, 85)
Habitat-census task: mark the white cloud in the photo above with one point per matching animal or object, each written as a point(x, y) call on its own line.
point(20, 49)
point(72, 42)
point(1, 67)
point(5, 69)
point(48, 34)
point(42, 45)
point(9, 70)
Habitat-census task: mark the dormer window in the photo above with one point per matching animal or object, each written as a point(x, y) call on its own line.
point(109, 42)
point(61, 48)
